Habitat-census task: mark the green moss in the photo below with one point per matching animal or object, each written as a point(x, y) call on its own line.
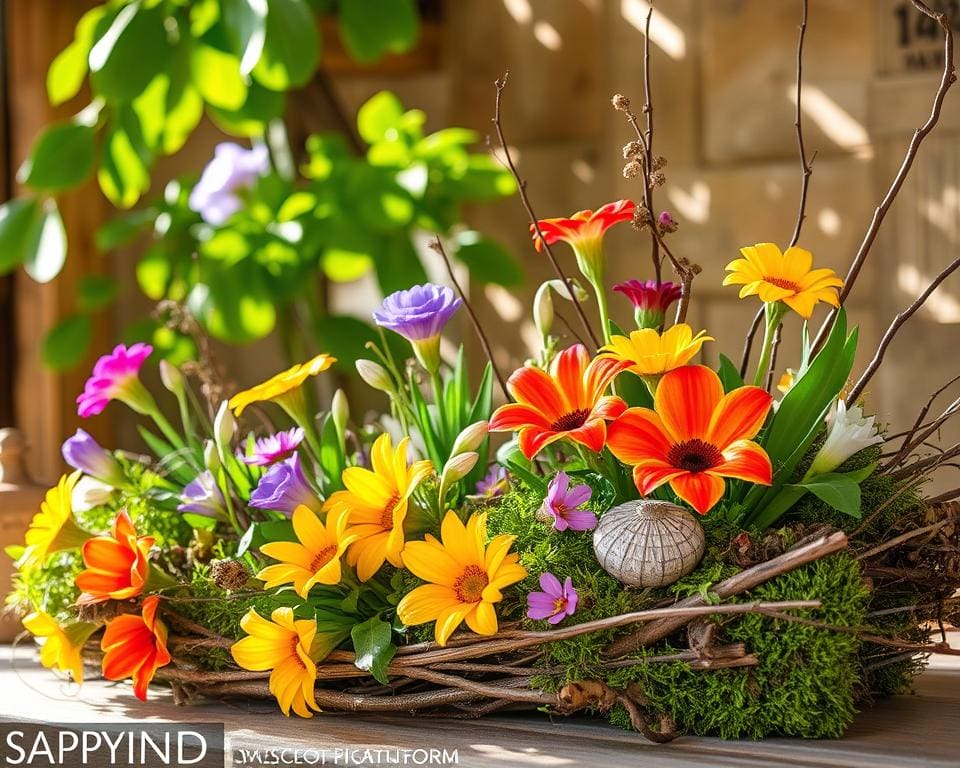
point(49, 587)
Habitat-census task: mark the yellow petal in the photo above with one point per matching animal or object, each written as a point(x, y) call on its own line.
point(449, 619)
point(483, 619)
point(425, 604)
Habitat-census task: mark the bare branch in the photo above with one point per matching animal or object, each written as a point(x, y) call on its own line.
point(798, 124)
point(748, 342)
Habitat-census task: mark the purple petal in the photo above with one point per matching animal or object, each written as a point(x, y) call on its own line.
point(581, 520)
point(550, 584)
point(557, 617)
point(579, 495)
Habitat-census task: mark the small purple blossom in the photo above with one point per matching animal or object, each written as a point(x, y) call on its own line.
point(494, 483)
point(270, 450)
point(202, 496)
point(233, 167)
point(116, 377)
point(84, 453)
point(562, 502)
point(667, 223)
point(418, 313)
point(650, 301)
point(556, 602)
point(284, 488)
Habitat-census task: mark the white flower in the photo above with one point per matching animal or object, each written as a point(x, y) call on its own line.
point(89, 493)
point(848, 431)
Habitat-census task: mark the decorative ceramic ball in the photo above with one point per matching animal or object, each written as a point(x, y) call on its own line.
point(648, 543)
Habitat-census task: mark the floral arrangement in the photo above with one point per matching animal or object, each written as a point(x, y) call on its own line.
point(683, 547)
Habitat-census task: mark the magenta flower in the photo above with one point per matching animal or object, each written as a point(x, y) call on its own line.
point(269, 450)
point(562, 502)
point(232, 168)
point(116, 377)
point(556, 602)
point(650, 301)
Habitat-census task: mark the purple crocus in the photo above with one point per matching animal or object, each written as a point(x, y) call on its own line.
point(84, 453)
point(232, 168)
point(556, 602)
point(270, 450)
point(202, 496)
point(561, 504)
point(418, 313)
point(116, 377)
point(284, 488)
point(494, 483)
point(650, 301)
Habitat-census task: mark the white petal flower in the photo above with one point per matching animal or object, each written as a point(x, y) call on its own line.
point(848, 431)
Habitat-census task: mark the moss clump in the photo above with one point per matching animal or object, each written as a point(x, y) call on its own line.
point(805, 682)
point(49, 587)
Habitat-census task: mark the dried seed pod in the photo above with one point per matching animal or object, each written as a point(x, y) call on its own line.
point(648, 543)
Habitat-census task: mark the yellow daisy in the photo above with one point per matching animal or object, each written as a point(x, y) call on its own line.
point(788, 277)
point(280, 387)
point(53, 527)
point(653, 354)
point(282, 645)
point(315, 559)
point(376, 501)
point(465, 577)
point(60, 646)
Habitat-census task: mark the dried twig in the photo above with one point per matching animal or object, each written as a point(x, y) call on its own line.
point(805, 167)
point(648, 147)
point(748, 342)
point(500, 84)
point(912, 534)
point(437, 246)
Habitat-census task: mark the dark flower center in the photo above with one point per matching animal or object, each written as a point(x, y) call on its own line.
point(323, 557)
point(294, 643)
point(788, 285)
point(694, 455)
point(570, 421)
point(470, 584)
point(386, 519)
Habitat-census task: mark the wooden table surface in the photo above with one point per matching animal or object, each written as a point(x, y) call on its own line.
point(904, 731)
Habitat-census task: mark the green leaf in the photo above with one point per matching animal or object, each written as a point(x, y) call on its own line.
point(122, 230)
point(216, 75)
point(62, 157)
point(840, 491)
point(123, 176)
point(488, 262)
point(332, 460)
point(438, 144)
point(154, 272)
point(344, 338)
point(398, 265)
point(234, 302)
point(729, 374)
point(18, 219)
point(291, 47)
point(133, 49)
point(372, 28)
point(65, 345)
point(259, 534)
point(261, 106)
point(373, 647)
point(378, 116)
point(96, 292)
point(47, 245)
point(68, 70)
point(248, 21)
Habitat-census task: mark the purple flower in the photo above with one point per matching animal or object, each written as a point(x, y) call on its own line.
point(562, 502)
point(116, 377)
point(202, 496)
point(650, 301)
point(667, 223)
point(269, 450)
point(284, 488)
point(419, 313)
point(233, 167)
point(556, 602)
point(495, 482)
point(84, 453)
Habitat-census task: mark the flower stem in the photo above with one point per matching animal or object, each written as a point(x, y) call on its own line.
point(167, 428)
point(774, 314)
point(603, 309)
point(437, 384)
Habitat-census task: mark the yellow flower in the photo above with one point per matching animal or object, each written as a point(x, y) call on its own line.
point(773, 276)
point(465, 577)
point(787, 381)
point(282, 645)
point(281, 385)
point(377, 502)
point(53, 527)
point(653, 354)
point(315, 559)
point(61, 646)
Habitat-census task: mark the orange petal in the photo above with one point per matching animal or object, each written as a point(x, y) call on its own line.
point(532, 440)
point(538, 390)
point(638, 435)
point(104, 554)
point(745, 460)
point(700, 490)
point(568, 370)
point(609, 407)
point(739, 416)
point(593, 435)
point(600, 373)
point(651, 475)
point(513, 416)
point(685, 400)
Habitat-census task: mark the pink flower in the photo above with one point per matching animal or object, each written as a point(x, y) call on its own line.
point(269, 450)
point(556, 602)
point(650, 301)
point(562, 502)
point(116, 377)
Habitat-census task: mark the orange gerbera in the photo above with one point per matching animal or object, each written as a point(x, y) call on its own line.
point(117, 565)
point(135, 646)
point(567, 403)
point(584, 230)
point(695, 437)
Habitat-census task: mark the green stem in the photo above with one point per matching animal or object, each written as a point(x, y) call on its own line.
point(228, 499)
point(602, 308)
point(167, 428)
point(437, 384)
point(774, 314)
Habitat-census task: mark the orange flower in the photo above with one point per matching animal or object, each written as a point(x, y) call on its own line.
point(567, 403)
point(585, 229)
point(135, 646)
point(695, 437)
point(117, 565)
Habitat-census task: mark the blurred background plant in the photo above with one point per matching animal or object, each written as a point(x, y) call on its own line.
point(342, 205)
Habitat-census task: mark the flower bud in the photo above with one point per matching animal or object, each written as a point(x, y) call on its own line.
point(667, 223)
point(224, 426)
point(470, 438)
point(543, 310)
point(458, 467)
point(340, 410)
point(89, 493)
point(375, 375)
point(579, 292)
point(172, 377)
point(211, 456)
